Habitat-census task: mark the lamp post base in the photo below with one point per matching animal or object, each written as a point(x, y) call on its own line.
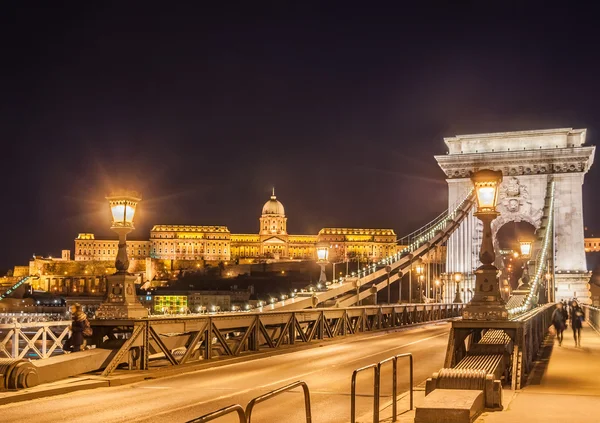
point(487, 303)
point(121, 301)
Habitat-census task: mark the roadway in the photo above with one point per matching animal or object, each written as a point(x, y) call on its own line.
point(327, 369)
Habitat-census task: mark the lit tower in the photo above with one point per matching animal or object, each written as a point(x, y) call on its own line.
point(272, 219)
point(273, 228)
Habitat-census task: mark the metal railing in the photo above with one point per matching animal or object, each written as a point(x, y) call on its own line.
point(36, 340)
point(376, 381)
point(245, 416)
point(276, 392)
point(183, 339)
point(236, 408)
point(394, 361)
point(592, 315)
point(377, 386)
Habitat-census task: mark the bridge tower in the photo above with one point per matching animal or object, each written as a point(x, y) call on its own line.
point(529, 160)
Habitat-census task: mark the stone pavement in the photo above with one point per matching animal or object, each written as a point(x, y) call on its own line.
point(569, 390)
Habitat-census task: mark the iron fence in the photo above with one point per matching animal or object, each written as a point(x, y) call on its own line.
point(36, 340)
point(592, 315)
point(187, 338)
point(377, 386)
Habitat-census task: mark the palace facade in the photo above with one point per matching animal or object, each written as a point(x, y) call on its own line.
point(217, 243)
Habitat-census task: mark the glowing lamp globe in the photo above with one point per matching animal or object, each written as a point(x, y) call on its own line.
point(457, 277)
point(525, 248)
point(486, 189)
point(322, 253)
point(122, 208)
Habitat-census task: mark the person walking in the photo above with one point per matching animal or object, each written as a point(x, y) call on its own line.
point(79, 325)
point(576, 322)
point(559, 322)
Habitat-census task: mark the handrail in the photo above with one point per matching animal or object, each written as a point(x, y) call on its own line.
point(377, 386)
point(592, 316)
point(394, 361)
point(279, 391)
point(220, 413)
point(376, 379)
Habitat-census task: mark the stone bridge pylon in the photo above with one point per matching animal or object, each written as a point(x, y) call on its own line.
point(528, 161)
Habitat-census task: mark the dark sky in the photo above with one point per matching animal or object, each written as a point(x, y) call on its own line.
point(341, 107)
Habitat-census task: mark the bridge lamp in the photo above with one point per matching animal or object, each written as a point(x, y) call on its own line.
point(457, 279)
point(322, 256)
point(487, 302)
point(122, 208)
point(437, 290)
point(121, 301)
point(525, 248)
point(486, 189)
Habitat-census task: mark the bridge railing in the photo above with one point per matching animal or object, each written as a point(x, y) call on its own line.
point(34, 340)
point(187, 338)
point(592, 315)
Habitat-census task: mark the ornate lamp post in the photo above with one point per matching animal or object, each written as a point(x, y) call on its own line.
point(419, 270)
point(457, 279)
point(437, 291)
point(121, 301)
point(322, 255)
point(487, 302)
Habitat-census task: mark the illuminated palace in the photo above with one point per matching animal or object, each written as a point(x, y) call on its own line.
point(216, 243)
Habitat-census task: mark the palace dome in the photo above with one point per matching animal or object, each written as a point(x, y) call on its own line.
point(273, 206)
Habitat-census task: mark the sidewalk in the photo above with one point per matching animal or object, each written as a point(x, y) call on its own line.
point(569, 389)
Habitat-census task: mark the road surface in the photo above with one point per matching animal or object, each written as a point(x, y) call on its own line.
point(327, 370)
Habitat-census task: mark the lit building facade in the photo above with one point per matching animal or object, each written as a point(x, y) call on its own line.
point(592, 245)
point(217, 243)
point(88, 248)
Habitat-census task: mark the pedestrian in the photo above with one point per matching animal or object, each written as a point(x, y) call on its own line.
point(565, 312)
point(79, 325)
point(558, 321)
point(576, 322)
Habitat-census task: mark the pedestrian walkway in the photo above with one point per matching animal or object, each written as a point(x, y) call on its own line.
point(569, 389)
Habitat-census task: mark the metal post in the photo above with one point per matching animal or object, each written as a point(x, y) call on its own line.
point(376, 378)
point(15, 342)
point(410, 282)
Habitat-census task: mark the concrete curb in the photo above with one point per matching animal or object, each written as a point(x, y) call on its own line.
point(49, 391)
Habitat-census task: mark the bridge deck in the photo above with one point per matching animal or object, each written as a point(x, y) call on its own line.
point(569, 389)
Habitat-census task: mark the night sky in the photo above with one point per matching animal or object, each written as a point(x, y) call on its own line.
point(340, 107)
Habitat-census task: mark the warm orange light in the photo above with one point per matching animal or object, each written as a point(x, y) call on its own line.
point(486, 189)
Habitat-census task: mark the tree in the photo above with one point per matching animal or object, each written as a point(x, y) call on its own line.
point(221, 268)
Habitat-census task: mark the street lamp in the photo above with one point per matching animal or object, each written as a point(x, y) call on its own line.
point(322, 255)
point(419, 270)
point(525, 247)
point(121, 301)
point(487, 302)
point(457, 279)
point(437, 290)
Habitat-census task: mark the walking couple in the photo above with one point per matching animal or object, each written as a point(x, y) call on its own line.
point(561, 316)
